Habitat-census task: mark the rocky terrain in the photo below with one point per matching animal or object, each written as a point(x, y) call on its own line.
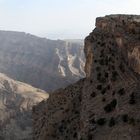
point(16, 102)
point(43, 63)
point(106, 104)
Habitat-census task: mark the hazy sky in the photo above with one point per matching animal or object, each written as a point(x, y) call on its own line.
point(60, 18)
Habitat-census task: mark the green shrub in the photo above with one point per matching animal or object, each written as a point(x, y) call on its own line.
point(93, 94)
point(111, 106)
point(132, 99)
point(111, 122)
point(122, 68)
point(121, 91)
point(101, 121)
point(103, 99)
point(125, 118)
point(103, 91)
point(99, 87)
point(114, 76)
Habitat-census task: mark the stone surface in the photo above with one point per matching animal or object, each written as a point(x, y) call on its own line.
point(16, 102)
point(42, 63)
point(106, 104)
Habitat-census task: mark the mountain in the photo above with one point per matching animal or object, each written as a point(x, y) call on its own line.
point(106, 104)
point(16, 102)
point(43, 63)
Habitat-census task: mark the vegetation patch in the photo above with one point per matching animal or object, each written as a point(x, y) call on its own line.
point(101, 121)
point(112, 122)
point(132, 99)
point(111, 106)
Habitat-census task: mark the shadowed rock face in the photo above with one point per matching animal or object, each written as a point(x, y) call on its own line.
point(105, 105)
point(45, 64)
point(16, 102)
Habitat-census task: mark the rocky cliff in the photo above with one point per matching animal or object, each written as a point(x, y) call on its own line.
point(106, 104)
point(49, 64)
point(16, 102)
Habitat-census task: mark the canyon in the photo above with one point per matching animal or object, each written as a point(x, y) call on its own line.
point(105, 105)
point(43, 63)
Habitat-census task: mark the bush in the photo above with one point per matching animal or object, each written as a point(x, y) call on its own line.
point(99, 76)
point(125, 118)
point(132, 121)
point(103, 99)
point(101, 61)
point(121, 91)
point(99, 87)
point(111, 106)
point(93, 94)
point(114, 75)
point(106, 75)
point(122, 68)
point(101, 121)
point(98, 68)
point(103, 91)
point(111, 122)
point(132, 99)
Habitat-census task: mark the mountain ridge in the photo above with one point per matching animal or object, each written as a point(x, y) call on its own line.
point(104, 105)
point(49, 64)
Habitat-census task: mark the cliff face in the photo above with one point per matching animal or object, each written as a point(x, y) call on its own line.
point(16, 102)
point(105, 105)
point(49, 64)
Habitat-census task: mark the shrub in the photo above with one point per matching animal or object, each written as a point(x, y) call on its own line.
point(113, 93)
point(98, 68)
point(114, 75)
point(106, 75)
point(93, 94)
point(103, 99)
point(121, 91)
point(98, 76)
point(132, 99)
point(101, 121)
point(99, 87)
point(101, 61)
point(102, 80)
point(111, 122)
point(111, 106)
point(122, 68)
point(132, 121)
point(125, 118)
point(103, 91)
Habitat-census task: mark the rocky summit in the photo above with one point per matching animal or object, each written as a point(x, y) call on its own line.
point(106, 104)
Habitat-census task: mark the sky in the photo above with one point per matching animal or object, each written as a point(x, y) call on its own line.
point(60, 19)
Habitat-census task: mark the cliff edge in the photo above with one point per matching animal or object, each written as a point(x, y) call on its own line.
point(106, 104)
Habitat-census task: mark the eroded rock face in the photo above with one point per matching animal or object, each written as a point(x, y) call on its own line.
point(105, 105)
point(42, 63)
point(16, 102)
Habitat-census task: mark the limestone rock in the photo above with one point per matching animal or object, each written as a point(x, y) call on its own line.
point(106, 104)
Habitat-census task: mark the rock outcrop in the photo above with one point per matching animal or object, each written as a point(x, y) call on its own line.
point(106, 104)
point(16, 102)
point(49, 64)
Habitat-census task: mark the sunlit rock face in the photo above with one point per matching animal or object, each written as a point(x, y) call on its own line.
point(16, 102)
point(43, 63)
point(105, 105)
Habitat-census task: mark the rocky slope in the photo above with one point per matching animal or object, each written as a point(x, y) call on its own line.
point(106, 104)
point(16, 102)
point(45, 64)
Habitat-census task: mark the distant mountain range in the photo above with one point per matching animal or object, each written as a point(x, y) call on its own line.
point(43, 63)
